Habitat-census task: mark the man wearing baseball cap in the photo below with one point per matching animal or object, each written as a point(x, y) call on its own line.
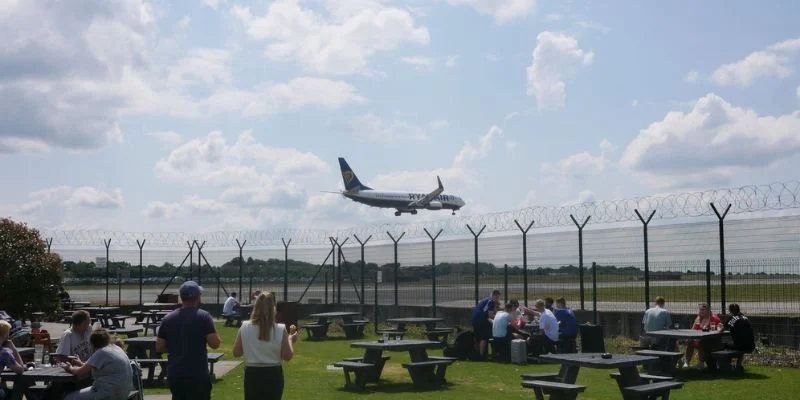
point(184, 334)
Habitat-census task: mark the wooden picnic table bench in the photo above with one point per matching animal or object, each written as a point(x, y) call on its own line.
point(438, 334)
point(667, 361)
point(316, 331)
point(151, 363)
point(725, 357)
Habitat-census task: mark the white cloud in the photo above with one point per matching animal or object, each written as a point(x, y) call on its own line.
point(556, 58)
point(419, 61)
point(692, 76)
point(376, 129)
point(337, 42)
point(511, 115)
point(24, 146)
point(162, 210)
point(584, 24)
point(439, 124)
point(470, 152)
point(450, 61)
point(457, 174)
point(68, 197)
point(214, 4)
point(65, 82)
point(511, 145)
point(581, 166)
point(203, 206)
point(54, 70)
point(711, 143)
point(635, 103)
point(776, 61)
point(167, 137)
point(184, 22)
point(501, 10)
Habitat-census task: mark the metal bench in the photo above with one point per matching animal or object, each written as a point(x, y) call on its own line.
point(667, 361)
point(119, 320)
point(139, 315)
point(724, 358)
point(647, 378)
point(429, 373)
point(557, 390)
point(438, 334)
point(543, 376)
point(316, 331)
point(651, 390)
point(377, 371)
point(359, 369)
point(353, 330)
point(213, 358)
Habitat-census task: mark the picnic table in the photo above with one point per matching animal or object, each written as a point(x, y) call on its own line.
point(240, 313)
point(139, 347)
point(55, 376)
point(431, 331)
point(628, 379)
point(425, 371)
point(353, 328)
point(708, 340)
point(128, 332)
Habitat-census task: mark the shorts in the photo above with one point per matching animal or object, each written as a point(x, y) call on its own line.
point(483, 331)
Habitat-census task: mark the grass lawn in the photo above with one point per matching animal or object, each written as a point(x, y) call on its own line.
point(307, 377)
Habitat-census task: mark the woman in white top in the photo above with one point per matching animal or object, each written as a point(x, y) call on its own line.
point(264, 344)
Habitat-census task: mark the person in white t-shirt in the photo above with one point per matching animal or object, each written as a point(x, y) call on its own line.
point(75, 341)
point(231, 302)
point(545, 341)
point(265, 344)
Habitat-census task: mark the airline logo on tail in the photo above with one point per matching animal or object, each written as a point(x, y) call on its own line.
point(351, 182)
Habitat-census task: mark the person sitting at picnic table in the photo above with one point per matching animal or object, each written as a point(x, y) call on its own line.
point(9, 356)
point(656, 318)
point(230, 302)
point(705, 320)
point(741, 330)
point(112, 377)
point(501, 322)
point(75, 340)
point(545, 341)
point(567, 324)
point(264, 343)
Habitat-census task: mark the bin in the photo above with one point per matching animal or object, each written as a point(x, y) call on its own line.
point(592, 340)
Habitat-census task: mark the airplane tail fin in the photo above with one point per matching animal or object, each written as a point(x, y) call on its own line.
point(349, 177)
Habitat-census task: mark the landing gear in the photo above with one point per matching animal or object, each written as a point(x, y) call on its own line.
point(454, 213)
point(397, 213)
point(413, 212)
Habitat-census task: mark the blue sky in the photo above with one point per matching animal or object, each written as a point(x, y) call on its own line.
point(208, 115)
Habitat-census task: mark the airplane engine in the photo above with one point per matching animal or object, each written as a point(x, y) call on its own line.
point(435, 205)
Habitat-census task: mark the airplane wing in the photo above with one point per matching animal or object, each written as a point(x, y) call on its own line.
point(428, 197)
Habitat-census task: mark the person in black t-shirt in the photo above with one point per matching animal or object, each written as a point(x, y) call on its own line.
point(741, 330)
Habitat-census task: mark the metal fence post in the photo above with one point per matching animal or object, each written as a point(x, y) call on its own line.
point(396, 265)
point(524, 259)
point(362, 243)
point(241, 273)
point(141, 269)
point(108, 265)
point(580, 253)
point(200, 264)
point(476, 235)
point(286, 268)
point(505, 282)
point(722, 272)
point(594, 292)
point(646, 261)
point(433, 265)
point(708, 283)
point(191, 259)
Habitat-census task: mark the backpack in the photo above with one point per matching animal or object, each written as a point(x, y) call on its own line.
point(463, 347)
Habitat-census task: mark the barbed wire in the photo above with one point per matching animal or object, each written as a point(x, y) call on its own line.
point(745, 199)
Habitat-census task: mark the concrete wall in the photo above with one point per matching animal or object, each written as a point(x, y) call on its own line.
point(783, 331)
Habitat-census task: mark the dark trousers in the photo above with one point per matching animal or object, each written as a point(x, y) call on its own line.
point(541, 344)
point(190, 388)
point(263, 383)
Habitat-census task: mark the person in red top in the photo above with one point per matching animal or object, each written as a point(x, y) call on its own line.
point(705, 320)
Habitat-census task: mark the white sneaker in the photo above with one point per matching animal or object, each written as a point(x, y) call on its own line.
point(685, 365)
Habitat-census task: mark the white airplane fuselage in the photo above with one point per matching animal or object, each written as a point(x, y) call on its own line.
point(400, 200)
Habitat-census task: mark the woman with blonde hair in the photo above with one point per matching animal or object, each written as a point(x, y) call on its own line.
point(264, 344)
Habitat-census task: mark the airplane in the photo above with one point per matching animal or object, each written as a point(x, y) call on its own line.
point(403, 202)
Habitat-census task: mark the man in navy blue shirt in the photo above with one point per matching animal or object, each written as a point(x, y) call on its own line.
point(482, 320)
point(184, 334)
point(567, 325)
